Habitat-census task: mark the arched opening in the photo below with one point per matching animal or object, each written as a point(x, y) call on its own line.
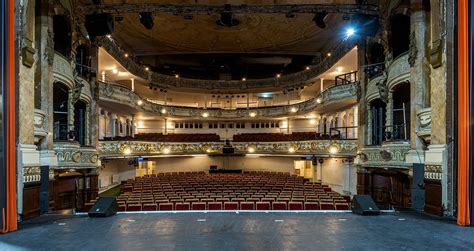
point(401, 112)
point(62, 35)
point(400, 34)
point(378, 109)
point(80, 122)
point(60, 112)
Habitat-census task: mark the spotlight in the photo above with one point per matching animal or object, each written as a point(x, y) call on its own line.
point(251, 149)
point(319, 100)
point(333, 149)
point(176, 75)
point(318, 19)
point(350, 32)
point(163, 111)
point(329, 54)
point(253, 114)
point(307, 68)
point(244, 79)
point(147, 68)
point(166, 150)
point(126, 55)
point(139, 102)
point(205, 114)
point(109, 36)
point(278, 75)
point(294, 109)
point(146, 19)
point(312, 121)
point(114, 71)
point(291, 149)
point(127, 151)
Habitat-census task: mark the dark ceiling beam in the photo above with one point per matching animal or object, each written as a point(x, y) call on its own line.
point(237, 9)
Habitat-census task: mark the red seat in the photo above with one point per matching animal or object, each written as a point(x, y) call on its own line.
point(198, 206)
point(122, 207)
point(166, 207)
point(263, 205)
point(214, 206)
point(231, 206)
point(149, 207)
point(247, 206)
point(311, 206)
point(134, 207)
point(341, 206)
point(182, 206)
point(327, 206)
point(293, 205)
point(279, 205)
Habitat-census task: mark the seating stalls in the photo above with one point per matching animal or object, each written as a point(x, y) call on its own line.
point(247, 191)
point(178, 137)
point(273, 137)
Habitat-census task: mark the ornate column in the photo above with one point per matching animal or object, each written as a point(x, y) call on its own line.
point(355, 122)
point(87, 123)
point(420, 70)
point(70, 112)
point(389, 114)
point(99, 121)
point(133, 126)
point(369, 125)
point(112, 125)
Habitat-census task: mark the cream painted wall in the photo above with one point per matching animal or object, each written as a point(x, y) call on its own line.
point(341, 177)
point(118, 167)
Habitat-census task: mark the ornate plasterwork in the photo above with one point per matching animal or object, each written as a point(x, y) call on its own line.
point(294, 80)
point(31, 174)
point(71, 155)
point(63, 71)
point(399, 71)
point(424, 118)
point(388, 155)
point(118, 148)
point(40, 126)
point(372, 88)
point(118, 94)
point(433, 172)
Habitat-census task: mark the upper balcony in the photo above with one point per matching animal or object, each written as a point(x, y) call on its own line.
point(333, 98)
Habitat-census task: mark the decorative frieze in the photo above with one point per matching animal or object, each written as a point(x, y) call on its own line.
point(433, 172)
point(387, 155)
point(31, 174)
point(118, 94)
point(72, 155)
point(111, 148)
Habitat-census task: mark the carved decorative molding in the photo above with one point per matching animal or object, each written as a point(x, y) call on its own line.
point(31, 174)
point(41, 129)
point(72, 155)
point(398, 71)
point(424, 118)
point(63, 71)
point(433, 172)
point(118, 148)
point(387, 155)
point(294, 80)
point(118, 94)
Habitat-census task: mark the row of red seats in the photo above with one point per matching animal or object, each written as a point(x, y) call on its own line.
point(178, 137)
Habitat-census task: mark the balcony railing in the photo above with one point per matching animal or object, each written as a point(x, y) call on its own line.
point(347, 78)
point(346, 132)
point(60, 132)
point(374, 70)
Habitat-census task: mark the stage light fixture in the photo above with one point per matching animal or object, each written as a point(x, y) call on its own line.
point(146, 19)
point(350, 32)
point(318, 19)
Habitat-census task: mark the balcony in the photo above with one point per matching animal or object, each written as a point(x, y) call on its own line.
point(145, 148)
point(72, 155)
point(335, 96)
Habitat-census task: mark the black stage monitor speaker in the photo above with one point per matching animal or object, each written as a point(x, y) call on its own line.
point(104, 207)
point(99, 25)
point(364, 205)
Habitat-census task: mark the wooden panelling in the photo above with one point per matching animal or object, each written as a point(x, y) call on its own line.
point(31, 201)
point(433, 197)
